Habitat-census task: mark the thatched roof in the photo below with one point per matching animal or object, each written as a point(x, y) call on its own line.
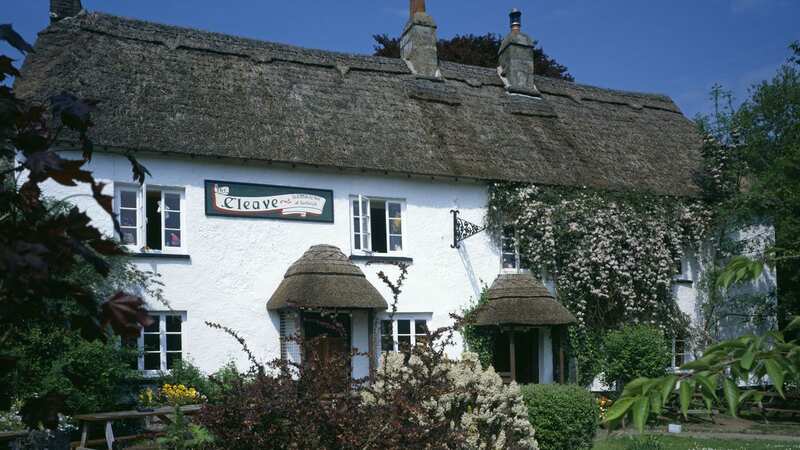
point(188, 92)
point(520, 299)
point(325, 278)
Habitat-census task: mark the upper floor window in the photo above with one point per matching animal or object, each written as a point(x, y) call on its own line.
point(151, 218)
point(377, 225)
point(511, 258)
point(679, 351)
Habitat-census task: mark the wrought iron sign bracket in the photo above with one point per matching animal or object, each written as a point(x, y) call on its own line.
point(462, 229)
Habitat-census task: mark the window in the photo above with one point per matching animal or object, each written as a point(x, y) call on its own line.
point(679, 351)
point(161, 344)
point(512, 260)
point(402, 333)
point(151, 218)
point(377, 225)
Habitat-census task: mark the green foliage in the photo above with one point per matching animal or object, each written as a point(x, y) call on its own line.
point(646, 442)
point(213, 387)
point(11, 420)
point(752, 155)
point(565, 417)
point(93, 375)
point(478, 340)
point(633, 352)
point(181, 434)
point(716, 377)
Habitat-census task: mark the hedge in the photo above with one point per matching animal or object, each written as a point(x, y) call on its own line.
point(565, 417)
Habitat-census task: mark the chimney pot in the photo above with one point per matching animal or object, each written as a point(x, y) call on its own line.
point(516, 19)
point(417, 6)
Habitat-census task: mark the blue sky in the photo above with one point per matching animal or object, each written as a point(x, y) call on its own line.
point(678, 47)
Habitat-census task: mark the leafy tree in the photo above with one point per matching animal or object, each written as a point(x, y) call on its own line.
point(45, 247)
point(754, 153)
point(716, 377)
point(476, 51)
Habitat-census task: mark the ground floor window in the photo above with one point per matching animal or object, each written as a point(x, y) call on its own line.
point(161, 344)
point(679, 351)
point(402, 332)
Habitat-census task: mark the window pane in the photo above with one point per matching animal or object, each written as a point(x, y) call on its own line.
point(128, 236)
point(420, 326)
point(173, 324)
point(127, 217)
point(386, 327)
point(154, 327)
point(171, 358)
point(394, 210)
point(404, 343)
point(508, 245)
point(355, 208)
point(364, 207)
point(172, 238)
point(395, 226)
point(387, 343)
point(173, 201)
point(356, 225)
point(172, 219)
point(152, 361)
point(152, 342)
point(403, 327)
point(127, 199)
point(173, 342)
point(509, 261)
point(395, 243)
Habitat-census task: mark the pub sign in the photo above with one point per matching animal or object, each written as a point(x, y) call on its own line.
point(224, 198)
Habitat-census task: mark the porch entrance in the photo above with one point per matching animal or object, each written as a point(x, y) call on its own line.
point(516, 355)
point(327, 339)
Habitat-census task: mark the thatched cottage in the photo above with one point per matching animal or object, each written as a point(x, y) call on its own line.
point(284, 179)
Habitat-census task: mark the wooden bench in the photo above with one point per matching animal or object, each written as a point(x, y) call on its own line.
point(109, 418)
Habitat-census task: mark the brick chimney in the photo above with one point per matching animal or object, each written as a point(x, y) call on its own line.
point(418, 43)
point(61, 9)
point(516, 59)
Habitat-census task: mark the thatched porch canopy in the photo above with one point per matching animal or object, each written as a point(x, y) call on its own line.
point(520, 299)
point(325, 278)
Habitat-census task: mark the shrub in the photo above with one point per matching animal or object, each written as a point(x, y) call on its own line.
point(90, 375)
point(428, 402)
point(565, 416)
point(633, 352)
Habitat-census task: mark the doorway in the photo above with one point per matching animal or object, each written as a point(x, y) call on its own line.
point(327, 340)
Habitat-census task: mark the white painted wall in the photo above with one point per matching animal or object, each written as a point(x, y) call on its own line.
point(237, 263)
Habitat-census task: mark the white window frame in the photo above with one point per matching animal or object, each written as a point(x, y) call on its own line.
point(162, 342)
point(141, 216)
point(413, 317)
point(119, 188)
point(364, 217)
point(517, 257)
point(677, 364)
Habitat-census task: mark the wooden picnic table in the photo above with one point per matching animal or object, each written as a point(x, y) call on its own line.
point(85, 420)
point(13, 438)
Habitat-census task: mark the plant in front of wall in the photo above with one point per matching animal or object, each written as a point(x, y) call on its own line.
point(612, 255)
point(634, 351)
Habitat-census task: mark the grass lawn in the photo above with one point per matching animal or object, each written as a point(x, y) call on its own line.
point(689, 443)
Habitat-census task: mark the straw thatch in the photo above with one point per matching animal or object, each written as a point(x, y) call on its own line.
point(184, 92)
point(520, 299)
point(324, 278)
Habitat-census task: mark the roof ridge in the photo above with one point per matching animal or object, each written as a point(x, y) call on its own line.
point(88, 21)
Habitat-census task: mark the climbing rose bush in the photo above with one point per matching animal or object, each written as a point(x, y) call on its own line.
point(477, 405)
point(612, 256)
